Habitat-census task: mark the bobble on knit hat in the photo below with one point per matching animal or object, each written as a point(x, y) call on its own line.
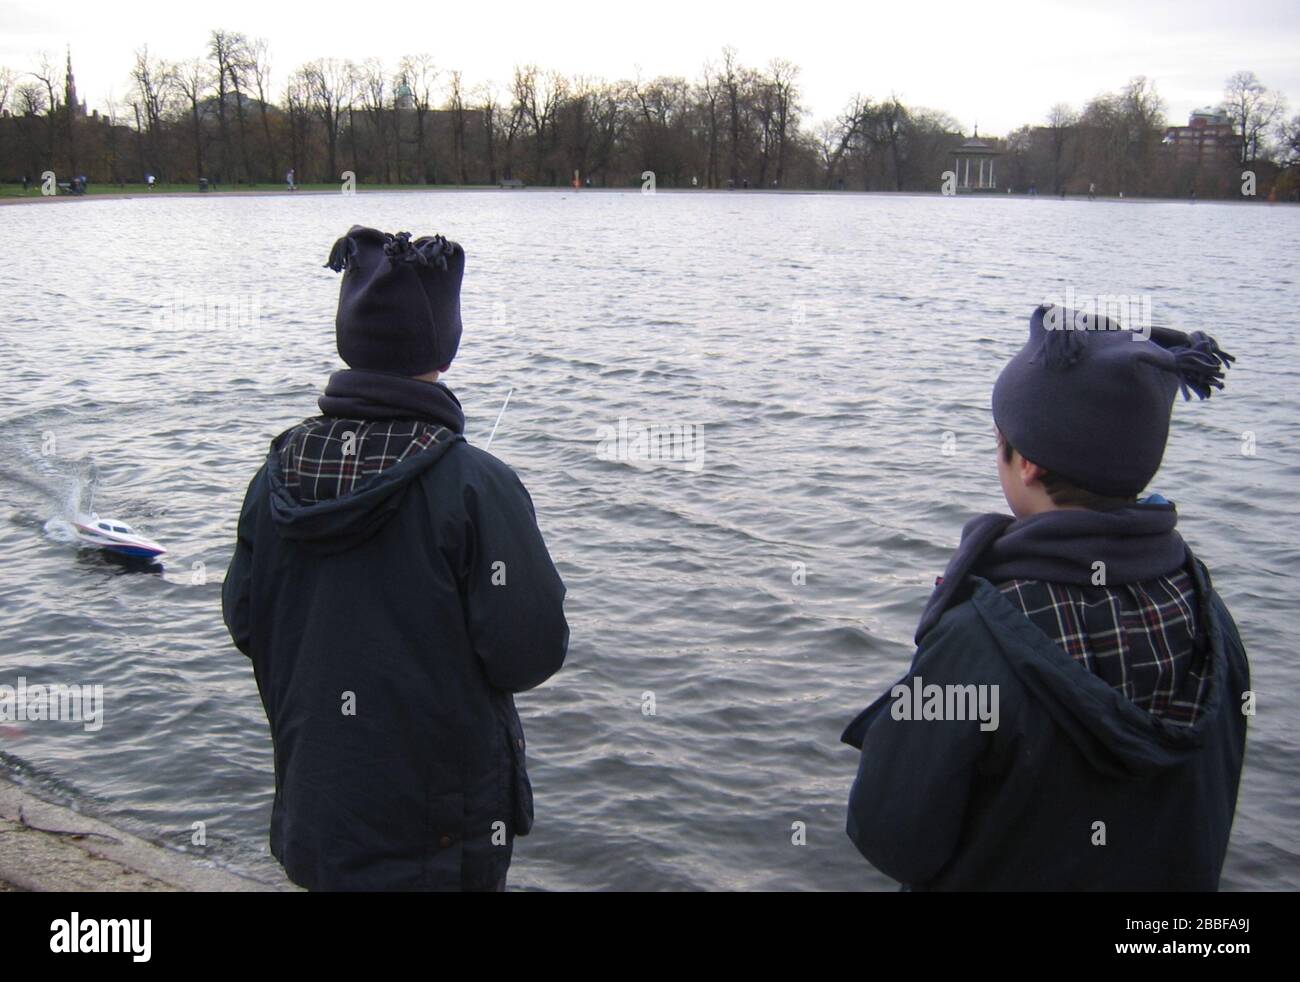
point(399, 302)
point(1091, 402)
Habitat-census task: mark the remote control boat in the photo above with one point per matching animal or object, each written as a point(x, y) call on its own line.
point(114, 536)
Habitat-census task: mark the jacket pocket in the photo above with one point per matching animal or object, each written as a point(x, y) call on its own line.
point(444, 843)
point(521, 788)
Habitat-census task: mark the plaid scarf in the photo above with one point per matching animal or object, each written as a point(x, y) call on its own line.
point(1139, 637)
point(327, 457)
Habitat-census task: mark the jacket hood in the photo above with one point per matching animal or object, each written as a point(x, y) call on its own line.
point(336, 524)
point(1117, 737)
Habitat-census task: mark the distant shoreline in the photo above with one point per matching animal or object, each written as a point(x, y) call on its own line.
point(11, 195)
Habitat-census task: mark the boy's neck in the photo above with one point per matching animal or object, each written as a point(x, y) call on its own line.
point(1050, 505)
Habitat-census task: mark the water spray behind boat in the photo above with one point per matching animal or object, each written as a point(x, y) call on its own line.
point(72, 492)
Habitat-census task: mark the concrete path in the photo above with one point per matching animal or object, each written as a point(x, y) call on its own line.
point(45, 847)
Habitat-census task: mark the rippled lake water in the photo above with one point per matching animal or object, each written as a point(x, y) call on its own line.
point(832, 348)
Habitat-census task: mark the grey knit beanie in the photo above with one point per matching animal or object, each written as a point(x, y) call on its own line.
point(1091, 402)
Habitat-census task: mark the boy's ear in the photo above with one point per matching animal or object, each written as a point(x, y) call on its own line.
point(1030, 472)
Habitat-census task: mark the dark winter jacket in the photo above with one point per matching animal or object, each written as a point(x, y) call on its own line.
point(1076, 787)
point(389, 621)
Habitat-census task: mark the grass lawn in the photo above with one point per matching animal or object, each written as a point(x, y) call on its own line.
point(16, 190)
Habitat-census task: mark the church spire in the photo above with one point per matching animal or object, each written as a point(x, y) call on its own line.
point(70, 88)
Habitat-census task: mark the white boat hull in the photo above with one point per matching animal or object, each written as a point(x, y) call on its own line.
point(116, 537)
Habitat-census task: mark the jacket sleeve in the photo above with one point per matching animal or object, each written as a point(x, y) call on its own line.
point(514, 595)
point(237, 587)
point(915, 776)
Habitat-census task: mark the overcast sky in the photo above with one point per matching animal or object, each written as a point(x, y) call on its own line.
point(998, 63)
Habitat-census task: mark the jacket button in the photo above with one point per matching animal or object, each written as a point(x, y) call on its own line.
point(445, 841)
point(520, 743)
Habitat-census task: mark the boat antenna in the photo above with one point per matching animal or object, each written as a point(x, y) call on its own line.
point(499, 415)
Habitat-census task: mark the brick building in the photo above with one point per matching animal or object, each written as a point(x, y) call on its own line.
point(1208, 133)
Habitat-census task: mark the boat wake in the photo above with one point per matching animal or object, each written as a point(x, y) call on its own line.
point(69, 489)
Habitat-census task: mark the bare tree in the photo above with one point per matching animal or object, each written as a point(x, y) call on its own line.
point(608, 122)
point(537, 99)
point(1062, 122)
point(780, 83)
point(456, 106)
point(1288, 138)
point(30, 99)
point(373, 81)
point(883, 126)
point(1253, 110)
point(491, 110)
point(154, 81)
point(710, 96)
point(330, 85)
point(238, 68)
point(259, 70)
point(113, 111)
point(662, 109)
point(419, 74)
point(730, 81)
point(47, 74)
point(297, 103)
point(221, 49)
point(194, 80)
point(1143, 120)
point(839, 138)
point(8, 82)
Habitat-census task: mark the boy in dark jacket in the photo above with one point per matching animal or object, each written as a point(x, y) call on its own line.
point(1075, 714)
point(392, 590)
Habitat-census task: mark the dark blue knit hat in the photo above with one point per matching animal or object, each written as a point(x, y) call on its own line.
point(1091, 402)
point(399, 302)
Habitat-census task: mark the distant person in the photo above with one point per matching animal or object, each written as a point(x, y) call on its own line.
point(26, 182)
point(288, 180)
point(148, 180)
point(1089, 728)
point(392, 590)
point(1092, 191)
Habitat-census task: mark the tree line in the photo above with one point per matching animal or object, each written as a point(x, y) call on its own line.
point(220, 116)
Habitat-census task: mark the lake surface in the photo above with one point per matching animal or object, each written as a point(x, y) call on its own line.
point(838, 353)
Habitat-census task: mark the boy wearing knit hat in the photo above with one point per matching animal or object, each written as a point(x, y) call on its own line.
point(392, 590)
point(1115, 678)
